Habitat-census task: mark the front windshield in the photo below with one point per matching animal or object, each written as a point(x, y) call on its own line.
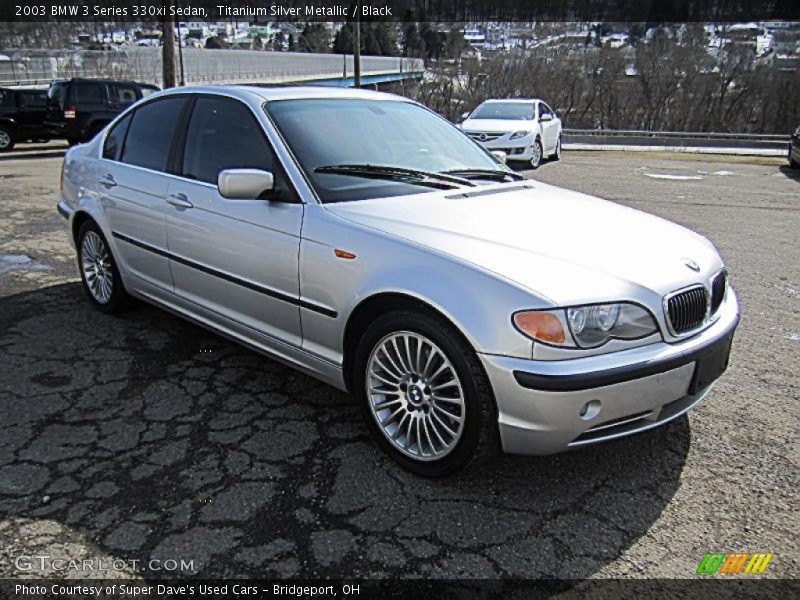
point(509, 111)
point(324, 132)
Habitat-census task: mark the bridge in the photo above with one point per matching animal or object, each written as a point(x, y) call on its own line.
point(202, 66)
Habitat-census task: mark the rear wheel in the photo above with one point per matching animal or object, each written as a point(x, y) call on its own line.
point(556, 155)
point(6, 140)
point(424, 394)
point(793, 163)
point(99, 273)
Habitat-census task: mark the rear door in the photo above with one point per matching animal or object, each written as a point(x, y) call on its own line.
point(238, 258)
point(133, 186)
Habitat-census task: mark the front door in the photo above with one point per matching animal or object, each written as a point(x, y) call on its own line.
point(549, 128)
point(238, 258)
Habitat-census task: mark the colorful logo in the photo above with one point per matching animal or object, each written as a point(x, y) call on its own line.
point(734, 562)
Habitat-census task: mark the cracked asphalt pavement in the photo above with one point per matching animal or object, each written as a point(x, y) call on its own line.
point(143, 437)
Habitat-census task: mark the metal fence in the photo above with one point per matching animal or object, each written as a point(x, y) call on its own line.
point(677, 141)
point(200, 65)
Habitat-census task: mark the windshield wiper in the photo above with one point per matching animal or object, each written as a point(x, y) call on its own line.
point(498, 174)
point(441, 181)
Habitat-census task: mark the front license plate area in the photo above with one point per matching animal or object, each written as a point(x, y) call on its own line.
point(712, 364)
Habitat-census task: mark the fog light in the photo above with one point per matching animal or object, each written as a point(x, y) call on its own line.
point(590, 410)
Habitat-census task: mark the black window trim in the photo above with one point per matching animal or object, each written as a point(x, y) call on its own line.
point(117, 123)
point(179, 138)
point(132, 112)
point(176, 164)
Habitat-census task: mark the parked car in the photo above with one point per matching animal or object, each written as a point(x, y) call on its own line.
point(22, 114)
point(77, 109)
point(794, 150)
point(524, 129)
point(363, 239)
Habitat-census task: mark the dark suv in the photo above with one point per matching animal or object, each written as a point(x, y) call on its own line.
point(22, 114)
point(78, 108)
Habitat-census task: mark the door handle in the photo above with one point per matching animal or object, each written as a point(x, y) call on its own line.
point(179, 200)
point(108, 180)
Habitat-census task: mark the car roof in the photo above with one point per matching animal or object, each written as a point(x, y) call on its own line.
point(513, 100)
point(286, 92)
point(91, 80)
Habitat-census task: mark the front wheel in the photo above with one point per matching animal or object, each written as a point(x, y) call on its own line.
point(6, 140)
point(424, 394)
point(99, 273)
point(536, 158)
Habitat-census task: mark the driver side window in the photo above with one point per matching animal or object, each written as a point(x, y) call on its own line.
point(224, 134)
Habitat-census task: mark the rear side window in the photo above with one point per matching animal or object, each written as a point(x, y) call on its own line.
point(115, 138)
point(123, 95)
point(34, 99)
point(150, 133)
point(88, 93)
point(57, 94)
point(223, 134)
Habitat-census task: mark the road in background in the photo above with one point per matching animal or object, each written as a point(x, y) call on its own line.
point(143, 436)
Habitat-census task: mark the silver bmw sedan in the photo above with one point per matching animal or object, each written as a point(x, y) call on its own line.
point(362, 239)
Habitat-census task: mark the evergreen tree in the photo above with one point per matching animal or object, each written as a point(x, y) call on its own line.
point(314, 38)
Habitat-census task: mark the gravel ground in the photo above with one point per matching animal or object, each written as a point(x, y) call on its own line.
point(144, 437)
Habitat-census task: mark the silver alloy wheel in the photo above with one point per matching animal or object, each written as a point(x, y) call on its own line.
point(537, 154)
point(5, 140)
point(415, 395)
point(96, 267)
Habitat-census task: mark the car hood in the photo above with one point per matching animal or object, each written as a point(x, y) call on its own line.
point(497, 125)
point(567, 247)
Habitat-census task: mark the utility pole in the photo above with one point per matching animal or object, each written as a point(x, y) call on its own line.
point(357, 48)
point(180, 50)
point(168, 47)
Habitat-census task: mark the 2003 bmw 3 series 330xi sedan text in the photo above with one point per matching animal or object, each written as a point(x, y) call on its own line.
point(363, 239)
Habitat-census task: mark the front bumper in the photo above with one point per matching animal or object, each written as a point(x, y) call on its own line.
point(620, 393)
point(518, 149)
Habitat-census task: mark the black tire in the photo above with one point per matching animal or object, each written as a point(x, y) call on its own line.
point(7, 140)
point(535, 164)
point(119, 298)
point(479, 441)
point(73, 141)
point(793, 164)
point(557, 154)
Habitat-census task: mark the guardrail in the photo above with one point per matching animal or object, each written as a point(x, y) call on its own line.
point(745, 144)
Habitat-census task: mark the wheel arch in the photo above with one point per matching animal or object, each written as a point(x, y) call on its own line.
point(369, 309)
point(8, 123)
point(78, 220)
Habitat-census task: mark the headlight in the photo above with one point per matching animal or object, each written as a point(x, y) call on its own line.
point(518, 134)
point(590, 326)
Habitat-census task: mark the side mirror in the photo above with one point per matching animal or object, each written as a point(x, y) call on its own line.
point(464, 116)
point(545, 117)
point(244, 184)
point(499, 154)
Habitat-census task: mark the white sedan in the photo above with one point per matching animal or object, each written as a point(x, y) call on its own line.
point(523, 129)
